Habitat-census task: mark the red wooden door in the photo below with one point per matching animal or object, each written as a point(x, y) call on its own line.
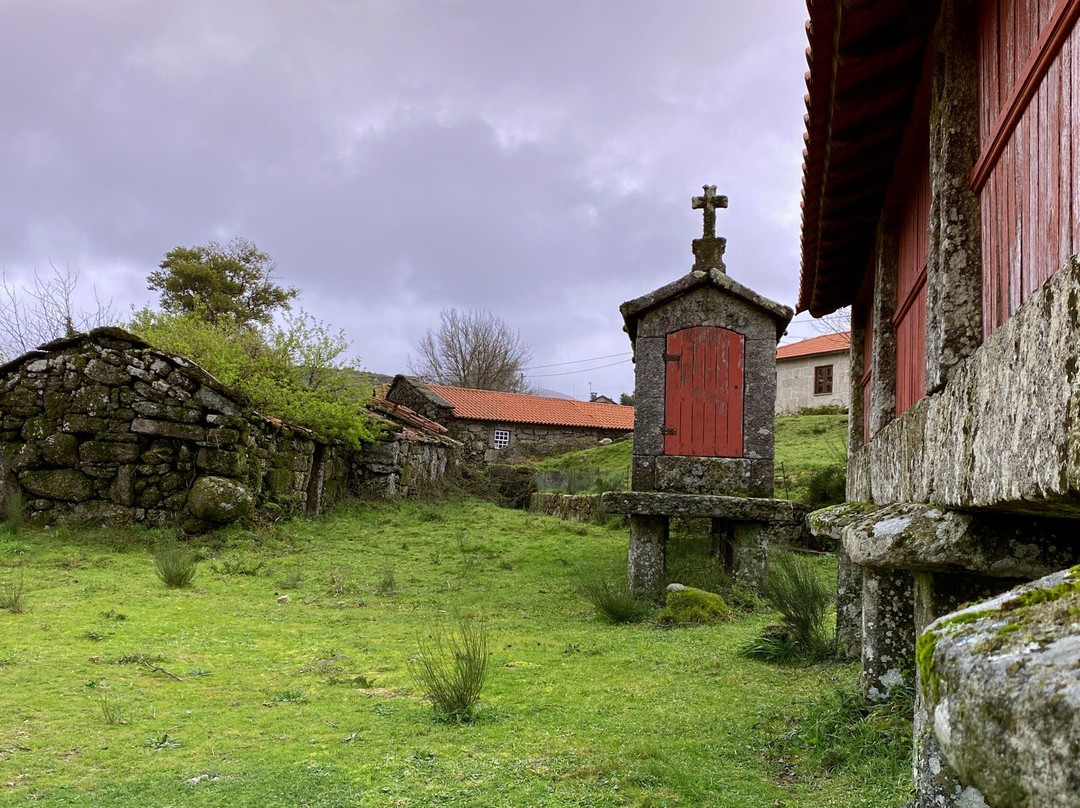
point(703, 401)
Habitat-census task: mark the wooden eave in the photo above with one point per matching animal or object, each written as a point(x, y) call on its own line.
point(865, 59)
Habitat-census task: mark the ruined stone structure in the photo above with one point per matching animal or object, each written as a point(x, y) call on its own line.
point(705, 383)
point(942, 202)
point(497, 427)
point(103, 428)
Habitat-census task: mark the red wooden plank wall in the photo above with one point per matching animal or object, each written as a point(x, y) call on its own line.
point(703, 401)
point(1029, 85)
point(910, 317)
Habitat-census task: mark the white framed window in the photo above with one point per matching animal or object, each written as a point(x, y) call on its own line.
point(501, 438)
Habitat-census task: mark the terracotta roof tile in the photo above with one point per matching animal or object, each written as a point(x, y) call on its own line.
point(488, 405)
point(826, 343)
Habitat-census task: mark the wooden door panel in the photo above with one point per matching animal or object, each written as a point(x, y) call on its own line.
point(704, 389)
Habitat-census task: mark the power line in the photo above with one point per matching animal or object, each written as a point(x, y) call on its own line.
point(578, 361)
point(571, 373)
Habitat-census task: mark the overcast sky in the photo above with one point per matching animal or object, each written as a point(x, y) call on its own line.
point(534, 158)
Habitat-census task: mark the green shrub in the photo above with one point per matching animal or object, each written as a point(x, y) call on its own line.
point(690, 606)
point(794, 588)
point(175, 565)
point(293, 373)
point(612, 600)
point(825, 486)
point(451, 670)
point(505, 485)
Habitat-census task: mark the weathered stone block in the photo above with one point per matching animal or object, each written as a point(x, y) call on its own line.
point(1000, 678)
point(278, 482)
point(76, 423)
point(888, 632)
point(37, 428)
point(218, 500)
point(94, 451)
point(925, 538)
point(167, 429)
point(90, 399)
point(703, 475)
point(221, 462)
point(61, 449)
point(105, 373)
point(63, 484)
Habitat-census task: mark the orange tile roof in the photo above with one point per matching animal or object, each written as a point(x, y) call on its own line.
point(826, 343)
point(488, 405)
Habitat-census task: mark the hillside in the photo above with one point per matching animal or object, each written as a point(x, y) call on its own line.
point(810, 451)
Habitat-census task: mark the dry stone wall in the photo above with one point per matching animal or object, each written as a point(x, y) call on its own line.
point(101, 427)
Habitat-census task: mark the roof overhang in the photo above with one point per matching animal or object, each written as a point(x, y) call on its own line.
point(865, 59)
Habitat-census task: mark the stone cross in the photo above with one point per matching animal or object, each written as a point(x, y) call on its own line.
point(710, 202)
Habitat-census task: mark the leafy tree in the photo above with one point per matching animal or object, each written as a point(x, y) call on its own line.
point(473, 349)
point(296, 372)
point(627, 399)
point(234, 280)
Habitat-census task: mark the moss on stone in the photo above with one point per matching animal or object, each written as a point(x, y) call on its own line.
point(691, 606)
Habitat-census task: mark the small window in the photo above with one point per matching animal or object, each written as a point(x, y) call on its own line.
point(502, 438)
point(822, 380)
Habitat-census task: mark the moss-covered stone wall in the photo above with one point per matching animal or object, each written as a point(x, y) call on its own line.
point(103, 428)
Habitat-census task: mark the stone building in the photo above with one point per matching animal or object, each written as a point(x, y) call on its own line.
point(813, 373)
point(941, 200)
point(103, 428)
point(500, 427)
point(704, 385)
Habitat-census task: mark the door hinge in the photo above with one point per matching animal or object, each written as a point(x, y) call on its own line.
point(672, 357)
point(668, 430)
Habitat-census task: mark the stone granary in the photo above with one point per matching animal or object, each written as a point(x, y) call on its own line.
point(941, 201)
point(705, 383)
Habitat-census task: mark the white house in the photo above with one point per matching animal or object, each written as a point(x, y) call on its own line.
point(813, 373)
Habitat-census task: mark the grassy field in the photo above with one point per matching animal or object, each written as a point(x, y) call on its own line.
point(804, 444)
point(115, 690)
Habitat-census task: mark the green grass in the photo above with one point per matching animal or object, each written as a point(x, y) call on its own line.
point(804, 443)
point(119, 691)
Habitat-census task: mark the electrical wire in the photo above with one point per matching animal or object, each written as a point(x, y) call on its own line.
point(585, 370)
point(578, 361)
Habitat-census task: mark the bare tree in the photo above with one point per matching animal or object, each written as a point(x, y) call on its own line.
point(31, 316)
point(839, 322)
point(472, 349)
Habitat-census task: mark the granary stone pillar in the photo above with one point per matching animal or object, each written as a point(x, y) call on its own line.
point(647, 555)
point(849, 606)
point(954, 264)
point(888, 632)
point(750, 553)
point(883, 372)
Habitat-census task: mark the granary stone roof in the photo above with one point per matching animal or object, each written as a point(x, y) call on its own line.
point(633, 310)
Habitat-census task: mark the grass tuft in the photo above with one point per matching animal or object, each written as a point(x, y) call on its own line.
point(175, 565)
point(611, 599)
point(13, 595)
point(841, 731)
point(451, 671)
point(794, 588)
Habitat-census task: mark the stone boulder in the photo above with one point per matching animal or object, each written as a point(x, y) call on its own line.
point(1001, 680)
point(689, 606)
point(219, 500)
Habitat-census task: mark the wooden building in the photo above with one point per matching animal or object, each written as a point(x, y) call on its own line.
point(941, 200)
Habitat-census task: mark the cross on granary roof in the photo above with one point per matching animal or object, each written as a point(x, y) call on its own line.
point(709, 201)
